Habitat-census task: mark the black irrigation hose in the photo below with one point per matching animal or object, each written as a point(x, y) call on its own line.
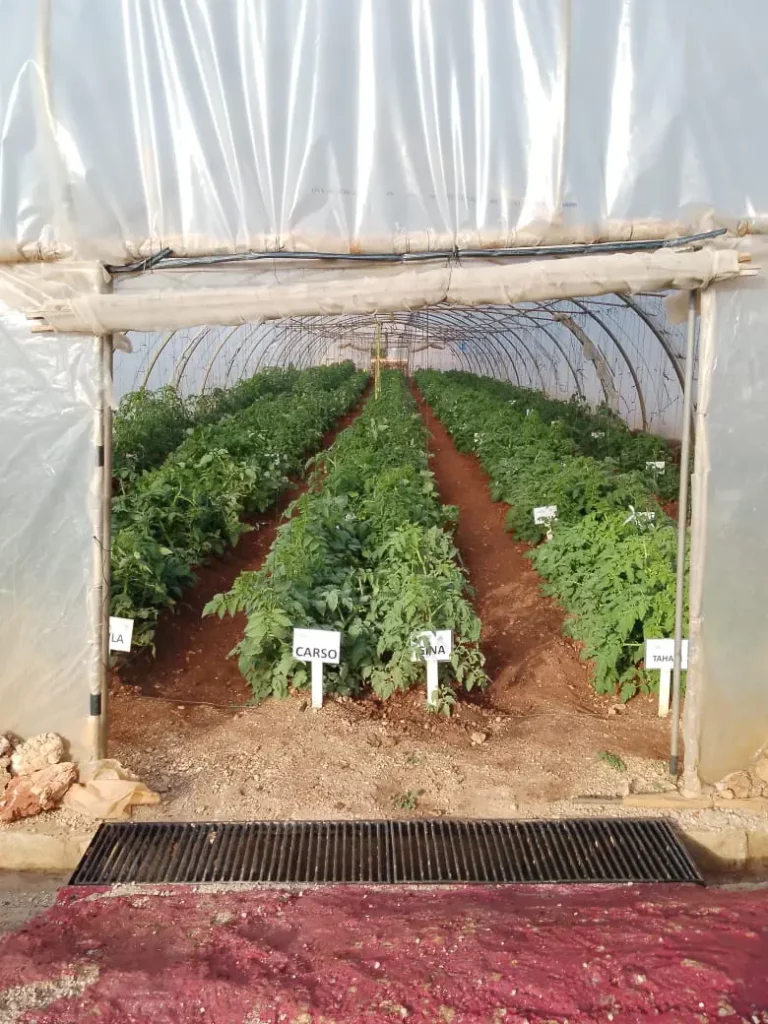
point(168, 260)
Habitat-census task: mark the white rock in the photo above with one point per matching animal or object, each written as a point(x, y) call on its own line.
point(38, 752)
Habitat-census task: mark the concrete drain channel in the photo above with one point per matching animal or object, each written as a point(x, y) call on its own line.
point(410, 852)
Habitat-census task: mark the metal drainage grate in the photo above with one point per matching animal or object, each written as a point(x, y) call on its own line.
point(417, 851)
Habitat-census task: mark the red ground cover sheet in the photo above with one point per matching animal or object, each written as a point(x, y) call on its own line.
point(343, 954)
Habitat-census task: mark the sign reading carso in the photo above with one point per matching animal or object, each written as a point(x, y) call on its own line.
point(323, 645)
point(319, 647)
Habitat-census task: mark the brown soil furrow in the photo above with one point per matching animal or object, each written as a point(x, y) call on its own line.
point(192, 660)
point(531, 665)
point(522, 629)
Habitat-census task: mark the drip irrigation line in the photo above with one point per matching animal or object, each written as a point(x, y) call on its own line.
point(167, 260)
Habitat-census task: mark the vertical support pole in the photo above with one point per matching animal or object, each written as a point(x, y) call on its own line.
point(682, 529)
point(100, 707)
point(317, 684)
point(377, 363)
point(432, 682)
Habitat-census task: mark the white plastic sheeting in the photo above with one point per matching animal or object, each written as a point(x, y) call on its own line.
point(384, 289)
point(48, 402)
point(350, 125)
point(726, 711)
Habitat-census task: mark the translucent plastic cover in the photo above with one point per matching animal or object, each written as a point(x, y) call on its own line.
point(48, 398)
point(343, 125)
point(726, 720)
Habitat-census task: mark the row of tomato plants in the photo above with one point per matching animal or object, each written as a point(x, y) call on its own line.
point(193, 505)
point(149, 425)
point(611, 558)
point(368, 551)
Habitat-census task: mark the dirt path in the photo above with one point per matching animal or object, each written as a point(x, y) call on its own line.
point(535, 671)
point(526, 653)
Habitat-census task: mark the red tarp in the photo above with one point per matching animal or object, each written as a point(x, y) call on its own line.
point(349, 955)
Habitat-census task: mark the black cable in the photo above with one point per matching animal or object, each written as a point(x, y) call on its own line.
point(140, 265)
point(455, 255)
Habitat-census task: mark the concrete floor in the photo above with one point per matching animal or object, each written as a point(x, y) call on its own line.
point(24, 894)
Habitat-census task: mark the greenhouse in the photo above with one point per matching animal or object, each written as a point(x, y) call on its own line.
point(502, 257)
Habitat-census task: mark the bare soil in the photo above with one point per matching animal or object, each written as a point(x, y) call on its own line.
point(533, 739)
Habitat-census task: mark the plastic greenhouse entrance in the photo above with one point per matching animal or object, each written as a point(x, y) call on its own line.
point(616, 349)
point(514, 159)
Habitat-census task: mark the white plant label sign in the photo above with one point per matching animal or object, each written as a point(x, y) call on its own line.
point(658, 467)
point(437, 646)
point(319, 647)
point(120, 633)
point(660, 657)
point(433, 648)
point(544, 514)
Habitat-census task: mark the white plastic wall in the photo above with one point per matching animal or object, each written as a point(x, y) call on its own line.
point(48, 401)
point(345, 125)
point(726, 719)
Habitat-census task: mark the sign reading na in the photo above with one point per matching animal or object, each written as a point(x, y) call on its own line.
point(120, 634)
point(323, 645)
point(436, 646)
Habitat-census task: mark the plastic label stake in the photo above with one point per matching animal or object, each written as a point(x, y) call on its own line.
point(660, 657)
point(317, 684)
point(433, 648)
point(120, 633)
point(545, 515)
point(319, 647)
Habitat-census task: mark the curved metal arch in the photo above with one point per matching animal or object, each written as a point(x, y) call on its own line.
point(473, 353)
point(349, 323)
point(278, 343)
point(502, 346)
point(313, 326)
point(629, 301)
point(215, 356)
point(533, 358)
point(497, 317)
point(155, 357)
point(505, 319)
point(321, 337)
point(281, 329)
point(625, 357)
point(468, 320)
point(250, 328)
point(183, 361)
point(522, 312)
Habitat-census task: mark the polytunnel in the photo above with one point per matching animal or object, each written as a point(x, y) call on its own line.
point(619, 350)
point(530, 191)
